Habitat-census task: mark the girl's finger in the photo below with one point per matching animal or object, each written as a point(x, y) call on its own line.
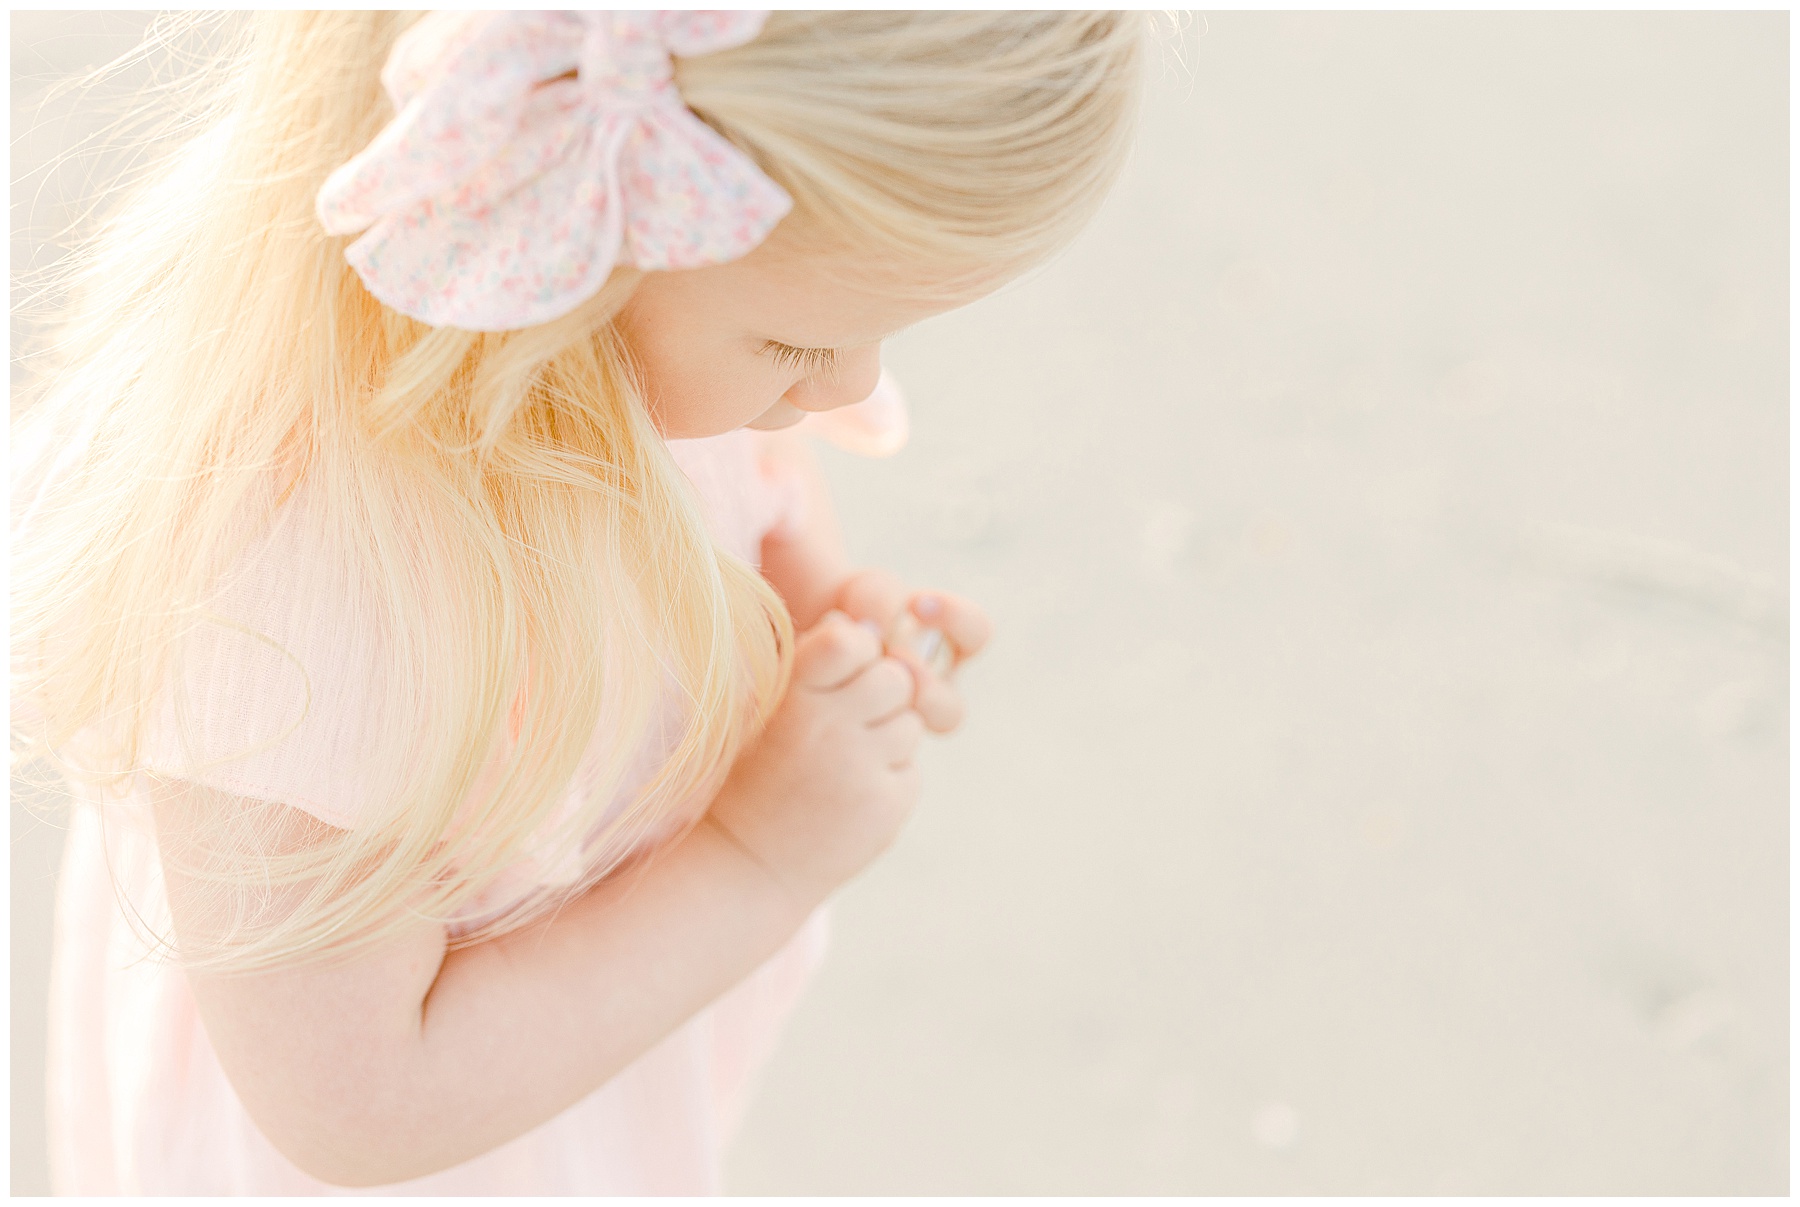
point(834, 651)
point(880, 690)
point(939, 705)
point(961, 621)
point(899, 736)
point(874, 595)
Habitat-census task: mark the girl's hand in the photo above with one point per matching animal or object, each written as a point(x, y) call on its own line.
point(828, 784)
point(881, 598)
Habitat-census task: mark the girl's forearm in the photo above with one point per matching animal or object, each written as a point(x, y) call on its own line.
point(516, 1030)
point(804, 560)
point(359, 1091)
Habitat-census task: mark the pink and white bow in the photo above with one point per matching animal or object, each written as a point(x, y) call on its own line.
point(534, 151)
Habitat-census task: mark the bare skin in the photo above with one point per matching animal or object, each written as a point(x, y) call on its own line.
point(413, 1058)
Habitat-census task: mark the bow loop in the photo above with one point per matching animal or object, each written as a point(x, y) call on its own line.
point(624, 64)
point(503, 194)
point(688, 34)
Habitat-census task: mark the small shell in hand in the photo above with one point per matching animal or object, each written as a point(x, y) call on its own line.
point(935, 652)
point(928, 645)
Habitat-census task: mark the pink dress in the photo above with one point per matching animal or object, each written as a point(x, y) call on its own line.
point(137, 1099)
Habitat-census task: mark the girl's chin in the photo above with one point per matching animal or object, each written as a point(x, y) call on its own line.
point(782, 414)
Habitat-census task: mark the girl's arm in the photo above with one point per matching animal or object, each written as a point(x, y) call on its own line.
point(412, 1058)
point(804, 560)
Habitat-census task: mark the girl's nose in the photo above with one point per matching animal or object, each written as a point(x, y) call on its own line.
point(857, 372)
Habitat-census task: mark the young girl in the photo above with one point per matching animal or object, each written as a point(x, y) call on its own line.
point(459, 797)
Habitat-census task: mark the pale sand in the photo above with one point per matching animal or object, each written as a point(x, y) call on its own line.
point(1379, 781)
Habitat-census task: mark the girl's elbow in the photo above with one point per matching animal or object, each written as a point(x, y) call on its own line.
point(352, 1147)
point(341, 1159)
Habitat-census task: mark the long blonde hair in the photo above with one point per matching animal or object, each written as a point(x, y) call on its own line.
point(533, 558)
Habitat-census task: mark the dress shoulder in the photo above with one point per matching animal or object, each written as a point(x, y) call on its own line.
point(272, 692)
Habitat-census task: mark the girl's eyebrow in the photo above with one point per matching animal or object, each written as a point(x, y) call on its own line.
point(899, 331)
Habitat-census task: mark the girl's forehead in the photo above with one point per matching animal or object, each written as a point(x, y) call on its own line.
point(841, 300)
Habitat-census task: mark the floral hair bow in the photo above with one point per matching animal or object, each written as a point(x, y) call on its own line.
point(534, 151)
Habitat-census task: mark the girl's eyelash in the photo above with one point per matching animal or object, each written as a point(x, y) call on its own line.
point(813, 361)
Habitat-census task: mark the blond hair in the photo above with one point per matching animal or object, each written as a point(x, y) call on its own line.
point(535, 559)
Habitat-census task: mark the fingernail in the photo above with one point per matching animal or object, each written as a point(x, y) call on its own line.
point(927, 605)
point(872, 627)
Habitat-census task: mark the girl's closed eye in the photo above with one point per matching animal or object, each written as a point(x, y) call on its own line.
point(813, 362)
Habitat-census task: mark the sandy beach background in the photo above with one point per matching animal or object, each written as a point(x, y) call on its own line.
point(1378, 783)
